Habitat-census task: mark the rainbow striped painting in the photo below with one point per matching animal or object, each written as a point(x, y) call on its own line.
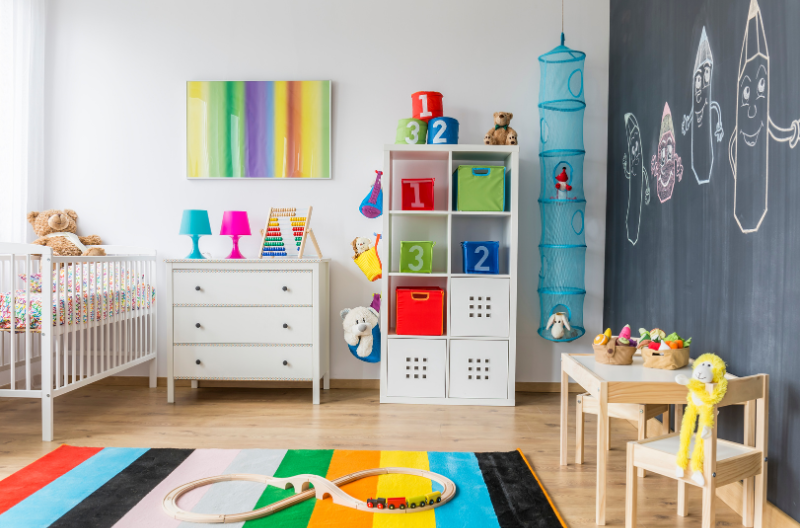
point(258, 129)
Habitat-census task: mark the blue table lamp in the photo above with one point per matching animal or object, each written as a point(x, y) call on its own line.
point(195, 224)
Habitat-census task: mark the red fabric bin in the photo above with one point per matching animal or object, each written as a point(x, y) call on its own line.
point(417, 194)
point(426, 105)
point(420, 311)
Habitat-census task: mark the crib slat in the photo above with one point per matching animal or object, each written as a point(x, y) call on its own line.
point(28, 321)
point(13, 323)
point(93, 307)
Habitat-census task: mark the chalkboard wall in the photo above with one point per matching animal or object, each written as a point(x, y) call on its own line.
point(689, 247)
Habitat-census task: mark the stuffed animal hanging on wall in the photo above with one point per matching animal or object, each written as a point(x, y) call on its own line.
point(362, 332)
point(708, 369)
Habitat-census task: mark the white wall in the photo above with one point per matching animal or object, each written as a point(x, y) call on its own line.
point(115, 102)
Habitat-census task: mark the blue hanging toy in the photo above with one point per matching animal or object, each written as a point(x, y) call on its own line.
point(375, 355)
point(372, 205)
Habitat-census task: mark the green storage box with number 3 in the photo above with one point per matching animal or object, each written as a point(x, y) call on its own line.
point(411, 132)
point(480, 188)
point(416, 257)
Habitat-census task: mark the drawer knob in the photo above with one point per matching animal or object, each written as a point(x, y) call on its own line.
point(197, 288)
point(285, 362)
point(285, 325)
point(197, 362)
point(197, 325)
point(285, 288)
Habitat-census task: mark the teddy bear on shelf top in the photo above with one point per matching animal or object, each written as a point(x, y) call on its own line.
point(501, 134)
point(57, 230)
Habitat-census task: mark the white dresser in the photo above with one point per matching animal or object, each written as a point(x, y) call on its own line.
point(264, 320)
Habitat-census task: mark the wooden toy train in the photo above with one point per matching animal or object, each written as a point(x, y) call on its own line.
point(401, 503)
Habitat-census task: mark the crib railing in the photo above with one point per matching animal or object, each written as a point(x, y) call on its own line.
point(98, 318)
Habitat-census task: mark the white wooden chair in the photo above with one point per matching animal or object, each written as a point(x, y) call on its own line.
point(634, 412)
point(724, 462)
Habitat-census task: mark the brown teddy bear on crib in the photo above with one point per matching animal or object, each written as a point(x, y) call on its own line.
point(57, 230)
point(501, 134)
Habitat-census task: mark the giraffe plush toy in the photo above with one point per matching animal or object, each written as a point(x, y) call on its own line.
point(708, 369)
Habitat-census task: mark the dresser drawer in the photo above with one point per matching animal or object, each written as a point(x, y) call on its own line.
point(242, 325)
point(279, 287)
point(243, 362)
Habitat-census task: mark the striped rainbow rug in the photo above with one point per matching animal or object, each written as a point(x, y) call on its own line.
point(124, 487)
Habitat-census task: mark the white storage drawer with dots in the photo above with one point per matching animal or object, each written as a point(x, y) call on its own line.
point(249, 320)
point(478, 369)
point(479, 307)
point(417, 367)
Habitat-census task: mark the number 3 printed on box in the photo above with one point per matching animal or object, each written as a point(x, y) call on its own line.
point(414, 132)
point(438, 137)
point(417, 257)
point(479, 266)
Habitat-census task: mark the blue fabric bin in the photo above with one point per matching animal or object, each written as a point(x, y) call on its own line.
point(481, 257)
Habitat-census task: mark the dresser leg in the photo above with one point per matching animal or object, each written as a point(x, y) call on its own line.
point(170, 389)
point(315, 389)
point(326, 381)
point(194, 384)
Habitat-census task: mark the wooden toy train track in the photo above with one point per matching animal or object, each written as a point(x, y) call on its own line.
point(322, 488)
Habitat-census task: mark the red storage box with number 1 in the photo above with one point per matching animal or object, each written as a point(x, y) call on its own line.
point(418, 194)
point(426, 105)
point(420, 311)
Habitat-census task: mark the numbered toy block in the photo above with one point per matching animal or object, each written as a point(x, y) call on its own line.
point(442, 131)
point(420, 311)
point(481, 257)
point(418, 194)
point(480, 188)
point(426, 105)
point(411, 132)
point(416, 257)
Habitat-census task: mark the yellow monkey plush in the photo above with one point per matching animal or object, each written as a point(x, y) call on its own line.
point(708, 368)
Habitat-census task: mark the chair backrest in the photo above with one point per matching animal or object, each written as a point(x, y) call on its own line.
point(743, 390)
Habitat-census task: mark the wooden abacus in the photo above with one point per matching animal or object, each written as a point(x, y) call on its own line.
point(286, 231)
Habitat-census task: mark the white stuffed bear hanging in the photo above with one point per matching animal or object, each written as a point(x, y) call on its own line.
point(358, 324)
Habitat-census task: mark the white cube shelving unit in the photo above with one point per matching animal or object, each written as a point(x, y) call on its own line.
point(480, 316)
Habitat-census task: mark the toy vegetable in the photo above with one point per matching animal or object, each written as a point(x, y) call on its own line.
point(706, 389)
point(624, 338)
point(657, 334)
point(644, 334)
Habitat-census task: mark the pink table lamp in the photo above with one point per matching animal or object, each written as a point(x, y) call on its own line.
point(235, 224)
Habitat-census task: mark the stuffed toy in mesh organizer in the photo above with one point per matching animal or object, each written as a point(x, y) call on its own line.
point(370, 262)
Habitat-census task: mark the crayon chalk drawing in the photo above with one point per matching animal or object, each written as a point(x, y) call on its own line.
point(749, 154)
point(666, 165)
point(700, 119)
point(636, 173)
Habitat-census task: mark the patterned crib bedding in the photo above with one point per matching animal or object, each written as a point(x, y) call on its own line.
point(86, 296)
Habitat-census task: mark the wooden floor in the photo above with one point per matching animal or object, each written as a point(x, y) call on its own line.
point(353, 419)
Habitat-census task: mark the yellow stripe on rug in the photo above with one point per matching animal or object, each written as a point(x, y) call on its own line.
point(404, 486)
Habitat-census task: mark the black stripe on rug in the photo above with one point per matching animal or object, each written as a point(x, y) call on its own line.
point(518, 500)
point(111, 501)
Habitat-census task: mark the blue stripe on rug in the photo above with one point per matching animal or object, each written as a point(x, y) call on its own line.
point(57, 498)
point(473, 509)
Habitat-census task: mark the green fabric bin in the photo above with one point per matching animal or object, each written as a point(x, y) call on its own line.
point(480, 188)
point(416, 257)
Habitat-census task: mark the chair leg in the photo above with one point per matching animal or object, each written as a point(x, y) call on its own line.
point(683, 506)
point(579, 434)
point(709, 498)
point(631, 490)
point(642, 427)
point(608, 435)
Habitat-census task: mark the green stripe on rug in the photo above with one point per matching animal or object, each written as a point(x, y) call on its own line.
point(294, 463)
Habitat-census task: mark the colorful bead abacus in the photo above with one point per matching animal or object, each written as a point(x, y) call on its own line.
point(286, 232)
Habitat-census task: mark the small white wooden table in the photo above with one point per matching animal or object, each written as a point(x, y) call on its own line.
point(616, 384)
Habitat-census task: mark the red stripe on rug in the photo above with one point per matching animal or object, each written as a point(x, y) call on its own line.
point(30, 479)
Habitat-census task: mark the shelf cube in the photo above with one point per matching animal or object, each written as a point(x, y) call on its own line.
point(416, 256)
point(478, 369)
point(420, 311)
point(416, 368)
point(479, 307)
point(481, 257)
point(417, 194)
point(442, 131)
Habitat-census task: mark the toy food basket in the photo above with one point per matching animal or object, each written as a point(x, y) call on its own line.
point(613, 354)
point(370, 262)
point(672, 359)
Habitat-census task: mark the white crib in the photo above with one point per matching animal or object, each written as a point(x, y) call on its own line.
point(106, 329)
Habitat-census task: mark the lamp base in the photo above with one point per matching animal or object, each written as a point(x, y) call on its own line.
point(235, 253)
point(195, 254)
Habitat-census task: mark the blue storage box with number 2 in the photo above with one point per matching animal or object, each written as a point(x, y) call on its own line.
point(481, 257)
point(442, 131)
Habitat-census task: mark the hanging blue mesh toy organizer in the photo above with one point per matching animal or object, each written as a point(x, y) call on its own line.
point(561, 201)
